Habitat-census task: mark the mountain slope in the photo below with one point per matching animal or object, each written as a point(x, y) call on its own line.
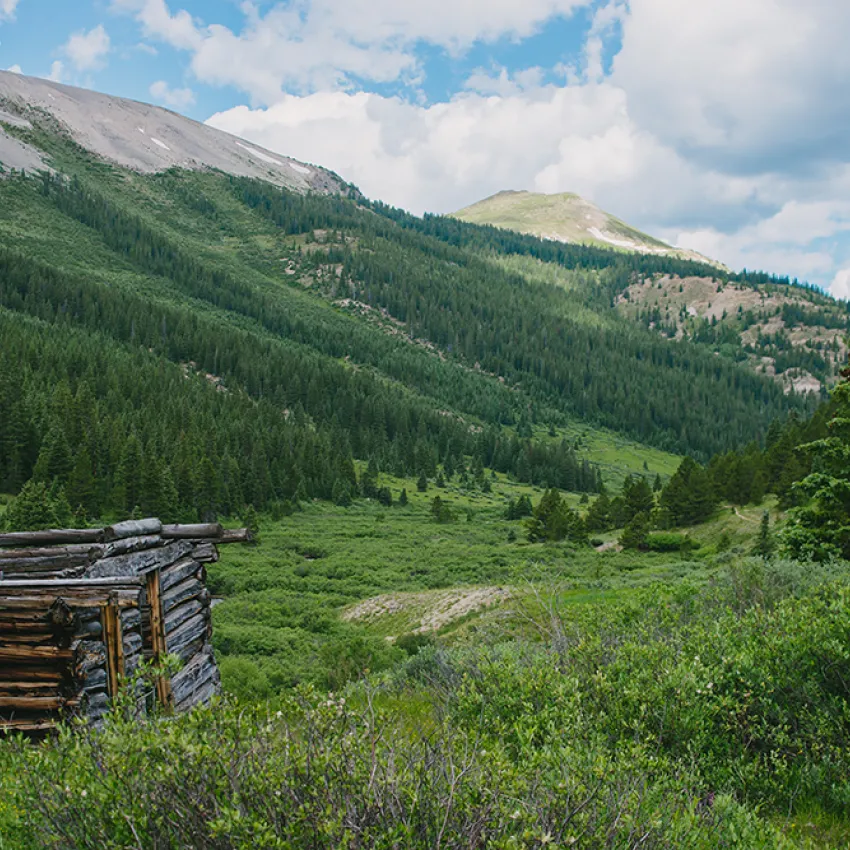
point(323, 330)
point(566, 218)
point(795, 334)
point(141, 137)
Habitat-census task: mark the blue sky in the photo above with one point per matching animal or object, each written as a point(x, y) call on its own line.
point(719, 125)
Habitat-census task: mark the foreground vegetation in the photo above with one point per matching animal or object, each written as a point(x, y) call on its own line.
point(680, 716)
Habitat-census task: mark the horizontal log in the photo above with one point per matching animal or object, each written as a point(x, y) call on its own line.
point(77, 597)
point(76, 550)
point(236, 535)
point(24, 688)
point(194, 676)
point(54, 535)
point(131, 544)
point(131, 618)
point(46, 587)
point(181, 613)
point(97, 703)
point(37, 653)
point(177, 572)
point(44, 564)
point(28, 621)
point(42, 575)
point(189, 638)
point(17, 724)
point(48, 703)
point(192, 532)
point(27, 638)
point(132, 528)
point(95, 678)
point(190, 588)
point(132, 644)
point(46, 675)
point(139, 563)
point(202, 696)
point(206, 553)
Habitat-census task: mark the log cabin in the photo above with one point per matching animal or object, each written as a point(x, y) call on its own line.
point(82, 609)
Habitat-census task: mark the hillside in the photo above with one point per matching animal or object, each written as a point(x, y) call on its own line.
point(384, 337)
point(797, 336)
point(567, 218)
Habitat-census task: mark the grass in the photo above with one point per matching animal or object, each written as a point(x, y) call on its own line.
point(278, 619)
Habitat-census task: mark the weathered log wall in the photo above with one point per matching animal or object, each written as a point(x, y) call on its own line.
point(80, 610)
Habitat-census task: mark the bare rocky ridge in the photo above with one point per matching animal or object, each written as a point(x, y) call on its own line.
point(139, 136)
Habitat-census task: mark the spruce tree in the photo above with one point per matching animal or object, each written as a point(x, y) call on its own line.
point(819, 529)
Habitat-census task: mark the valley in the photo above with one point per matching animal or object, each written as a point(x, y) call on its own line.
point(550, 530)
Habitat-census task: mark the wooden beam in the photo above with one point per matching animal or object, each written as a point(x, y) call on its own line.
point(114, 640)
point(51, 703)
point(236, 535)
point(54, 535)
point(11, 654)
point(132, 528)
point(158, 644)
point(192, 532)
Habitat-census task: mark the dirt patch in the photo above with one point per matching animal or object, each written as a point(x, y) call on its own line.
point(430, 611)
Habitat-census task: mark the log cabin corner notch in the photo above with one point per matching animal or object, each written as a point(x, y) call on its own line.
point(80, 609)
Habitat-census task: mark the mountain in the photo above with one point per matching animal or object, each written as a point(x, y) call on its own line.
point(138, 136)
point(567, 218)
point(184, 331)
point(793, 334)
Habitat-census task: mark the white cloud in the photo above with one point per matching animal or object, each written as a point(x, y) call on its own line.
point(750, 86)
point(447, 155)
point(175, 98)
point(15, 69)
point(86, 50)
point(178, 30)
point(786, 242)
point(7, 9)
point(57, 72)
point(316, 45)
point(840, 286)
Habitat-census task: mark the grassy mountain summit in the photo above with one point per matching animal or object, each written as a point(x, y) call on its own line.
point(566, 217)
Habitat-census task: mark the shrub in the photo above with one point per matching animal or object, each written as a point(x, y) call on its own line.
point(670, 542)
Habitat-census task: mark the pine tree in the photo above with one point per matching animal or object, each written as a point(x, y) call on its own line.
point(402, 499)
point(764, 545)
point(638, 496)
point(598, 516)
point(636, 532)
point(422, 483)
point(819, 529)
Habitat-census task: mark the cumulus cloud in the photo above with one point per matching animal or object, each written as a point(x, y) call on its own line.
point(7, 9)
point(86, 50)
point(747, 86)
point(326, 44)
point(57, 72)
point(840, 286)
point(175, 98)
point(15, 69)
point(444, 156)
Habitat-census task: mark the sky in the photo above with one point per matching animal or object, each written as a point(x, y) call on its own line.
point(717, 125)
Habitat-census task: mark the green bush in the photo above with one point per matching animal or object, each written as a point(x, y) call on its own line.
point(670, 542)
